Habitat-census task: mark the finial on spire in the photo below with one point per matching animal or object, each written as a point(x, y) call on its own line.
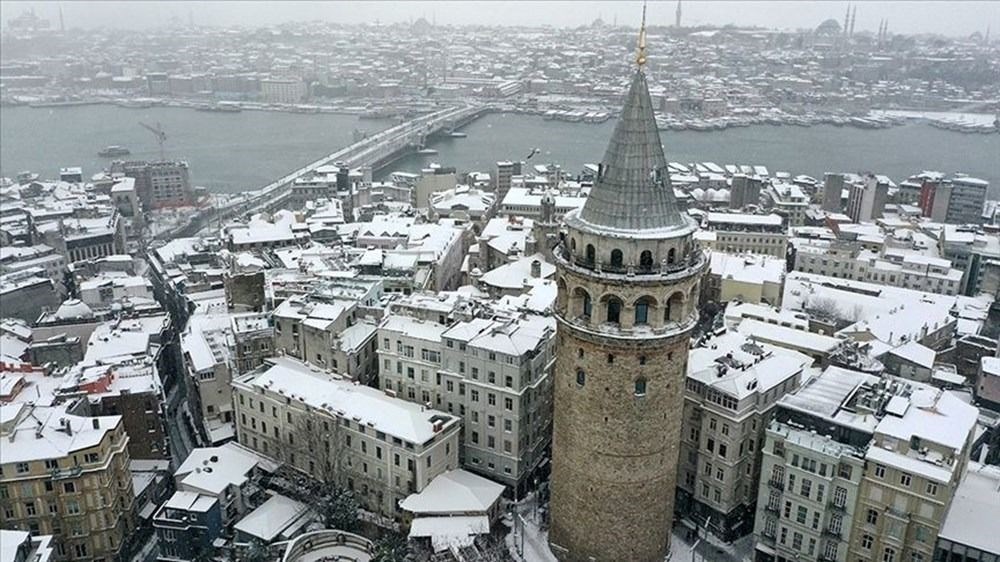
point(640, 57)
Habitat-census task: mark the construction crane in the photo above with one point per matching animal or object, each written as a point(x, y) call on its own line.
point(161, 137)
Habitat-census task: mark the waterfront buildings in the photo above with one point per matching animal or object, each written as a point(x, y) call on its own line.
point(628, 276)
point(158, 184)
point(958, 200)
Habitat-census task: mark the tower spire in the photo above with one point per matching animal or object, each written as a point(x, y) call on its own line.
point(640, 56)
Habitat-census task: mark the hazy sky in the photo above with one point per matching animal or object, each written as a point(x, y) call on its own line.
point(946, 17)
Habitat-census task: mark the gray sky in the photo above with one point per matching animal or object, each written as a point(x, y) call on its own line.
point(958, 18)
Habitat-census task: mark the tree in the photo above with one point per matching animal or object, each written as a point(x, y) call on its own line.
point(255, 551)
point(338, 507)
point(391, 547)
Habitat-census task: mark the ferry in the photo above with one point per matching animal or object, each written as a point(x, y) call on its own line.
point(427, 151)
point(220, 107)
point(114, 150)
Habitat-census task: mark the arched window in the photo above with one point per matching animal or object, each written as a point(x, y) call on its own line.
point(640, 386)
point(581, 377)
point(590, 254)
point(671, 255)
point(572, 244)
point(614, 310)
point(642, 307)
point(581, 305)
point(616, 258)
point(646, 260)
point(674, 308)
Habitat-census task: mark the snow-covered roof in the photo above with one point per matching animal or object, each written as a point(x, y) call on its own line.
point(272, 517)
point(787, 337)
point(750, 268)
point(454, 492)
point(933, 415)
point(915, 353)
point(450, 532)
point(398, 418)
point(61, 433)
point(211, 470)
point(975, 509)
point(734, 364)
point(825, 395)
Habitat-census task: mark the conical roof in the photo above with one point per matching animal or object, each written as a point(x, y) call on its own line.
point(633, 191)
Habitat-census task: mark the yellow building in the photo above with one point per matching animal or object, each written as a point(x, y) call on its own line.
point(67, 476)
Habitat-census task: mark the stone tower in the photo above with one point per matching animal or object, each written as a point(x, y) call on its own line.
point(628, 275)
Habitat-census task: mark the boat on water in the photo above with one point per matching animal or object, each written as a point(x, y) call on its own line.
point(220, 108)
point(114, 150)
point(427, 151)
point(134, 104)
point(457, 135)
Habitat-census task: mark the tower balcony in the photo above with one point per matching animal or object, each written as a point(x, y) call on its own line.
point(667, 271)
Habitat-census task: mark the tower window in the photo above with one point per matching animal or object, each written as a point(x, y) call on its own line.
point(642, 310)
point(614, 310)
point(640, 386)
point(646, 260)
point(616, 258)
point(581, 377)
point(590, 254)
point(579, 353)
point(671, 255)
point(642, 359)
point(611, 358)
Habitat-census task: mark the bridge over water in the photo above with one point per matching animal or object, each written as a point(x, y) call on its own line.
point(374, 151)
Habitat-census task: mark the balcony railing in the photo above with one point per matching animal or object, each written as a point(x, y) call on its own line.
point(776, 484)
point(833, 533)
point(837, 506)
point(772, 508)
point(692, 260)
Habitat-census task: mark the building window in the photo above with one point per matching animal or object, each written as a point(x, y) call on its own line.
point(590, 254)
point(889, 555)
point(866, 542)
point(616, 258)
point(640, 386)
point(904, 479)
point(646, 260)
point(614, 310)
point(879, 471)
point(871, 517)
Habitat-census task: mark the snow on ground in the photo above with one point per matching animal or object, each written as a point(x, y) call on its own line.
point(536, 541)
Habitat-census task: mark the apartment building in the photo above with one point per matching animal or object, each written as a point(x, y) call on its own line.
point(328, 334)
point(745, 278)
point(812, 467)
point(732, 384)
point(789, 201)
point(912, 469)
point(740, 233)
point(958, 200)
point(848, 260)
point(336, 430)
point(67, 476)
point(494, 373)
point(159, 184)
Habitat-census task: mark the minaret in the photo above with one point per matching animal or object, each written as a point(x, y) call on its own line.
point(677, 15)
point(62, 22)
point(628, 276)
point(854, 16)
point(847, 20)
